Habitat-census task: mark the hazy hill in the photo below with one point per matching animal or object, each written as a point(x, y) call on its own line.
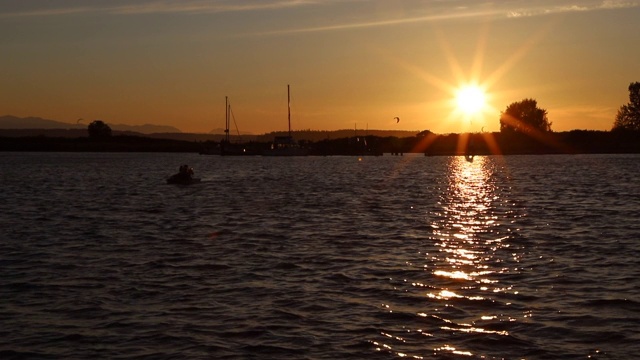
point(13, 122)
point(145, 129)
point(232, 132)
point(12, 126)
point(318, 135)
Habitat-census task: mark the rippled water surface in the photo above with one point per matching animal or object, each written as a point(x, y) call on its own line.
point(521, 257)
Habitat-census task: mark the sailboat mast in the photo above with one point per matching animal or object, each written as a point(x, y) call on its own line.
point(289, 108)
point(229, 122)
point(226, 118)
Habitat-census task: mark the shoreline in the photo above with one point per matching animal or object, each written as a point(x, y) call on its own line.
point(429, 144)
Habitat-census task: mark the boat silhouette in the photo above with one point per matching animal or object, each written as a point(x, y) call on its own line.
point(286, 145)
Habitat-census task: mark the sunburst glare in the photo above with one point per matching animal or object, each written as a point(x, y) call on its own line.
point(470, 94)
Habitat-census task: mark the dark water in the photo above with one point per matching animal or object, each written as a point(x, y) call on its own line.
point(522, 257)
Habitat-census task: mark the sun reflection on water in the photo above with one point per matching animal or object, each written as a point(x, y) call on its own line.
point(464, 217)
point(463, 230)
point(463, 296)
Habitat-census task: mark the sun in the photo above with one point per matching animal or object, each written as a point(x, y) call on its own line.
point(471, 99)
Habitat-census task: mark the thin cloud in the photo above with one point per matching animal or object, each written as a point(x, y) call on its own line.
point(157, 7)
point(436, 10)
point(48, 12)
point(470, 10)
point(605, 5)
point(617, 4)
point(390, 22)
point(200, 7)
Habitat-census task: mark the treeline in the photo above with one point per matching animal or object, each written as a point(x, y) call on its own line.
point(496, 143)
point(570, 142)
point(512, 143)
point(116, 143)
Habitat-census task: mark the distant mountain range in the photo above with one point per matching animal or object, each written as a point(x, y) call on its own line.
point(12, 126)
point(13, 122)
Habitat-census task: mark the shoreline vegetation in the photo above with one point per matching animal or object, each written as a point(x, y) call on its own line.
point(327, 143)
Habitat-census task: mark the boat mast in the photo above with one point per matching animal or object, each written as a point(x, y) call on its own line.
point(289, 109)
point(229, 122)
point(226, 118)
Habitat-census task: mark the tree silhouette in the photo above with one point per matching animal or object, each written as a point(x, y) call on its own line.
point(524, 117)
point(99, 130)
point(424, 133)
point(628, 117)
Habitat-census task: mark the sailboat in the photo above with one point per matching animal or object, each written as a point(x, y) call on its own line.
point(227, 148)
point(286, 145)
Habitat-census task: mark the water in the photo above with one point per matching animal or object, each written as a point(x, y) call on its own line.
point(521, 257)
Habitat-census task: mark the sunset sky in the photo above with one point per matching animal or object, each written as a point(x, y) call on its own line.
point(350, 63)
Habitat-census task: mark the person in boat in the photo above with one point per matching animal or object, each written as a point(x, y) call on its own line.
point(185, 172)
point(184, 175)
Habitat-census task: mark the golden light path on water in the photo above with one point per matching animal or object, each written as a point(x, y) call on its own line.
point(469, 239)
point(465, 208)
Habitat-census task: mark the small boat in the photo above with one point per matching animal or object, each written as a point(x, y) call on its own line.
point(183, 177)
point(177, 179)
point(227, 148)
point(286, 145)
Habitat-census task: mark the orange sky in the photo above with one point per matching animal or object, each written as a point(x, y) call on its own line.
point(349, 63)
